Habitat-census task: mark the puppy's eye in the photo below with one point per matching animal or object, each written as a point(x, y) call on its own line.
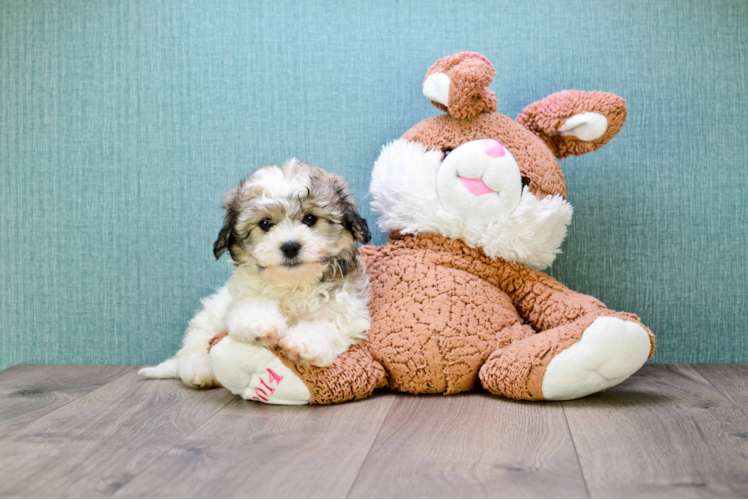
point(265, 225)
point(309, 220)
point(446, 152)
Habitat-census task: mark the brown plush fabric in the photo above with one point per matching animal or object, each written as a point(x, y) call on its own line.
point(547, 116)
point(440, 308)
point(434, 322)
point(470, 74)
point(540, 300)
point(217, 338)
point(353, 375)
point(536, 162)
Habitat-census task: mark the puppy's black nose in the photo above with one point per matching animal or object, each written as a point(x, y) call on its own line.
point(290, 249)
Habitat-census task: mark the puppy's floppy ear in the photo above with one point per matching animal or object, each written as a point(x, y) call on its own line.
point(356, 224)
point(336, 189)
point(352, 221)
point(226, 235)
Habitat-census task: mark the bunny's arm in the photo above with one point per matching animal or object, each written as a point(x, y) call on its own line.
point(353, 375)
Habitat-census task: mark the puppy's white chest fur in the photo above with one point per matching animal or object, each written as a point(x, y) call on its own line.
point(312, 323)
point(296, 302)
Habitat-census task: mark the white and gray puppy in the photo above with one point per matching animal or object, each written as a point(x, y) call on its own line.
point(297, 282)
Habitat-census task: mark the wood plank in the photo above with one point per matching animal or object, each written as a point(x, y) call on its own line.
point(731, 380)
point(666, 432)
point(471, 445)
point(254, 450)
point(28, 392)
point(97, 443)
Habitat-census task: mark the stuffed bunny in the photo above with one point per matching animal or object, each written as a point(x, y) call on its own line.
point(475, 204)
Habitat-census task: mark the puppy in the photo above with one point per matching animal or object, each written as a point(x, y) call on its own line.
point(297, 283)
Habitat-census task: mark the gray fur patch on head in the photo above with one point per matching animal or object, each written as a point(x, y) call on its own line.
point(297, 203)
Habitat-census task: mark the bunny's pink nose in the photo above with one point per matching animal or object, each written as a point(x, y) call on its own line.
point(494, 149)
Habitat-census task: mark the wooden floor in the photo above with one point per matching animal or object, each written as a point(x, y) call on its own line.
point(101, 431)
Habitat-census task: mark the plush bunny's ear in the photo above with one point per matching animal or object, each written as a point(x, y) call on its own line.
point(458, 84)
point(573, 122)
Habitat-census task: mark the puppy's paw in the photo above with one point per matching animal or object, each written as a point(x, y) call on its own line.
point(304, 351)
point(266, 331)
point(197, 374)
point(269, 332)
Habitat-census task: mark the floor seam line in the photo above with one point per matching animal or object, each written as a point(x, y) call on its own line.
point(373, 442)
point(729, 400)
point(63, 406)
point(576, 452)
point(175, 445)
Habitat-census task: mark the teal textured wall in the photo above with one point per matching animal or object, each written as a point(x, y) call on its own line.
point(123, 123)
